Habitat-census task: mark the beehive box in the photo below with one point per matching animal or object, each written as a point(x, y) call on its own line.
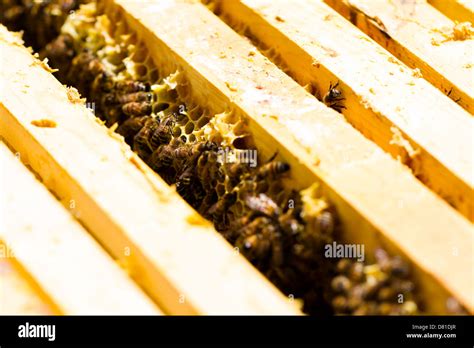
point(236, 157)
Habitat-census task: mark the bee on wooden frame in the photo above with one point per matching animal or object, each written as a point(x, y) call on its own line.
point(334, 98)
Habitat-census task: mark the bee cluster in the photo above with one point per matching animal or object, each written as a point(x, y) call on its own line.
point(43, 18)
point(281, 231)
point(382, 288)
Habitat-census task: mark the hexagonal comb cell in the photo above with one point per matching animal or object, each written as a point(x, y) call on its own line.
point(211, 159)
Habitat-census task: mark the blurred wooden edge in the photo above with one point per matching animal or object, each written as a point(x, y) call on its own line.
point(19, 293)
point(457, 10)
point(65, 261)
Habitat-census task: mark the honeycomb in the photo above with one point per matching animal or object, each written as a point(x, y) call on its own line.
point(282, 231)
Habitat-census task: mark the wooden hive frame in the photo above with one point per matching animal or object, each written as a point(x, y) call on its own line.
point(19, 294)
point(431, 49)
point(66, 269)
point(399, 111)
point(457, 10)
point(233, 82)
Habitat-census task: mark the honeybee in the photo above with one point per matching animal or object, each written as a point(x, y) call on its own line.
point(162, 133)
point(68, 5)
point(202, 146)
point(236, 226)
point(357, 294)
point(219, 210)
point(343, 266)
point(250, 225)
point(255, 247)
point(341, 284)
point(60, 53)
point(85, 68)
point(207, 170)
point(112, 115)
point(134, 109)
point(261, 242)
point(185, 180)
point(277, 247)
point(402, 286)
point(182, 152)
point(131, 127)
point(289, 223)
point(263, 204)
point(135, 97)
point(386, 293)
point(200, 157)
point(339, 303)
point(356, 272)
point(234, 171)
point(77, 71)
point(11, 14)
point(333, 98)
point(42, 20)
point(272, 170)
point(109, 100)
point(326, 222)
point(371, 289)
point(141, 143)
point(162, 158)
point(94, 68)
point(130, 86)
point(207, 202)
point(383, 260)
point(198, 195)
point(399, 267)
point(103, 83)
point(82, 60)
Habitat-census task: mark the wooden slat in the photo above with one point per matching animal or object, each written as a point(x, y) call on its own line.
point(380, 91)
point(418, 34)
point(457, 10)
point(175, 255)
point(58, 253)
point(19, 294)
point(378, 199)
